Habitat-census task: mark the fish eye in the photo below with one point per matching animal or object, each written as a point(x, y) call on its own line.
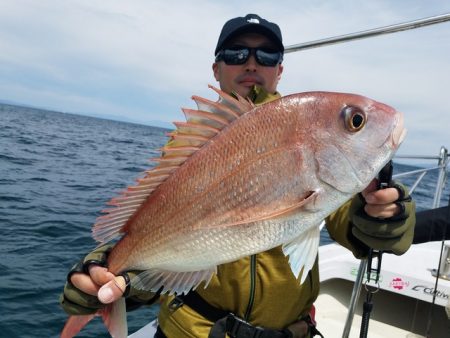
point(354, 118)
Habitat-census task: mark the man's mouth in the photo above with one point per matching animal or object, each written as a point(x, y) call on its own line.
point(249, 80)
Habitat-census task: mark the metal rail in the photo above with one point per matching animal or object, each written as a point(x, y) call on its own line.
point(369, 33)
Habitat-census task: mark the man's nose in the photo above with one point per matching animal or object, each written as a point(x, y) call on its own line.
point(251, 64)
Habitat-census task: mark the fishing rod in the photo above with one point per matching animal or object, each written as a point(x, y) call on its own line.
point(373, 273)
point(369, 33)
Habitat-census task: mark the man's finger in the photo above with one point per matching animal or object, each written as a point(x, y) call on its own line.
point(84, 283)
point(112, 290)
point(90, 284)
point(100, 275)
point(382, 211)
point(383, 196)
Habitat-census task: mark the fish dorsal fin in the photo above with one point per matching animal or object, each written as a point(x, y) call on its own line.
point(171, 281)
point(240, 105)
point(201, 125)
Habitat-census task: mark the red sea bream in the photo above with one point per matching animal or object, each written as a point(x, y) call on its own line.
point(236, 180)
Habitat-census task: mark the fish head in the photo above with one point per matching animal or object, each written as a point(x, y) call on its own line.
point(353, 137)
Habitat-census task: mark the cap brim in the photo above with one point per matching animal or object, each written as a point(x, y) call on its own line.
point(252, 28)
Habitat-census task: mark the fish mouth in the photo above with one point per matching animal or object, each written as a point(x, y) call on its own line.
point(399, 132)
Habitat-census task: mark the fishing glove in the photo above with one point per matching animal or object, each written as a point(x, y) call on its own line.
point(76, 302)
point(394, 234)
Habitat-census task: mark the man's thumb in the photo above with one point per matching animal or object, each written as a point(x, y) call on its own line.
point(112, 290)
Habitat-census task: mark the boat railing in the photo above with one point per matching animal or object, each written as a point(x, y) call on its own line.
point(442, 157)
point(443, 162)
point(369, 33)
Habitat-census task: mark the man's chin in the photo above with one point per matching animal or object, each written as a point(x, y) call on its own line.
point(244, 90)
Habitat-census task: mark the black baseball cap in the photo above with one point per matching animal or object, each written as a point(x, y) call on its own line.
point(251, 23)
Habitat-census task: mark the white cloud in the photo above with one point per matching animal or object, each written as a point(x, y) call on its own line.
point(145, 59)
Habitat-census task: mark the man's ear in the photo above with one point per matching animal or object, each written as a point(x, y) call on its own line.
point(280, 71)
point(215, 68)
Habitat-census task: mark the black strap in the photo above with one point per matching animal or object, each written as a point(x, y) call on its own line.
point(159, 333)
point(236, 327)
point(224, 321)
point(199, 305)
point(239, 328)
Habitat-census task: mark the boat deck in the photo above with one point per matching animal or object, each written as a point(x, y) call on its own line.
point(401, 307)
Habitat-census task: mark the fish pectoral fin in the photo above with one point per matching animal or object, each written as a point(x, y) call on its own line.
point(302, 252)
point(307, 200)
point(172, 281)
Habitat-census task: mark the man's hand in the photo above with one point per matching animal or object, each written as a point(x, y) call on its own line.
point(381, 203)
point(90, 285)
point(100, 283)
point(383, 219)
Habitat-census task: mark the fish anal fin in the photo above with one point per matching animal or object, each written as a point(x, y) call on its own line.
point(172, 281)
point(302, 252)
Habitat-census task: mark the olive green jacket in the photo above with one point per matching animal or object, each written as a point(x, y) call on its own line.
point(260, 289)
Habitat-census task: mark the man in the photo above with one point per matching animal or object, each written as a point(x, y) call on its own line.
point(257, 295)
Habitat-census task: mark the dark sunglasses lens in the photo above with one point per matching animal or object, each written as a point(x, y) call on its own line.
point(268, 58)
point(235, 56)
point(239, 56)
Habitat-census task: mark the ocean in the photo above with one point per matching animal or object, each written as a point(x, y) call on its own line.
point(57, 171)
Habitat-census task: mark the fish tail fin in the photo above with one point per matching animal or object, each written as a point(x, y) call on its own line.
point(74, 324)
point(114, 318)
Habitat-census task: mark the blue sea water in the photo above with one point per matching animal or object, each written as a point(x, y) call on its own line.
point(57, 171)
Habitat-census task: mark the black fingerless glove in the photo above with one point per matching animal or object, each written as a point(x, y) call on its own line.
point(393, 234)
point(76, 302)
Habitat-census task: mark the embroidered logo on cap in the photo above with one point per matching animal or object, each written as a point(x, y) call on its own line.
point(253, 20)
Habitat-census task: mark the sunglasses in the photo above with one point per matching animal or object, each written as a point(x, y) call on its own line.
point(239, 55)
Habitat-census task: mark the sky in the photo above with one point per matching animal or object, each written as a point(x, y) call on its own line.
point(141, 60)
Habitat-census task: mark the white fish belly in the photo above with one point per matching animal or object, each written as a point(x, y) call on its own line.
point(203, 249)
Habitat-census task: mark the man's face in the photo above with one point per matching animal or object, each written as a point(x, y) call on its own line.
point(241, 78)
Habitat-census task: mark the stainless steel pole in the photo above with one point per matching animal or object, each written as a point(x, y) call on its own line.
point(369, 33)
point(443, 161)
point(354, 298)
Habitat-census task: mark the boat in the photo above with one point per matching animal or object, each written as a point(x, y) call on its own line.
point(406, 303)
point(411, 293)
point(411, 298)
point(402, 306)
